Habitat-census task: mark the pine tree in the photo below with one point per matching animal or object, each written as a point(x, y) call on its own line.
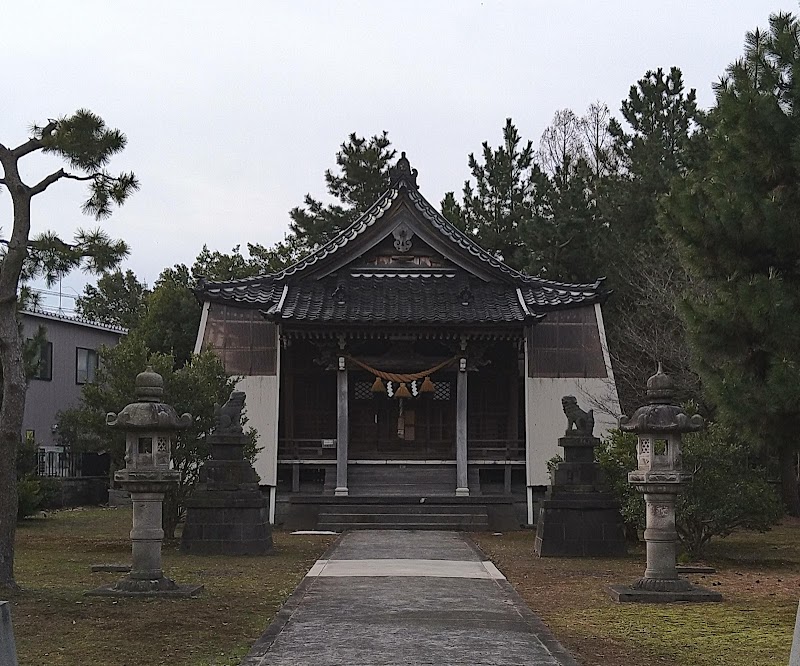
point(662, 139)
point(363, 177)
point(499, 203)
point(86, 145)
point(736, 220)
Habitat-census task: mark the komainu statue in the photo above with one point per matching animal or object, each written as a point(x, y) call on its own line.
point(228, 418)
point(582, 422)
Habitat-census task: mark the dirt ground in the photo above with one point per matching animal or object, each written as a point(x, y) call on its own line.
point(757, 574)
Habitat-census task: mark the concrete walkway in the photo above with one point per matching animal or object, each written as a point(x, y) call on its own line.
point(405, 598)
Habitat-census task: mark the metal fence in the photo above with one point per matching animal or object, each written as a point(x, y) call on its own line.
point(65, 463)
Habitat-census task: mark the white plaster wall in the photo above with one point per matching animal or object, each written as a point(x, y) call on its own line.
point(262, 414)
point(544, 416)
point(545, 421)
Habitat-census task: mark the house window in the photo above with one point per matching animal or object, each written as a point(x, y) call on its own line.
point(566, 344)
point(245, 341)
point(85, 365)
point(43, 361)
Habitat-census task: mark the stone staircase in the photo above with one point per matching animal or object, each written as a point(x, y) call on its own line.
point(411, 513)
point(400, 496)
point(399, 480)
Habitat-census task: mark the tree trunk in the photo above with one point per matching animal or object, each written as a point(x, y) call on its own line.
point(12, 411)
point(789, 487)
point(12, 403)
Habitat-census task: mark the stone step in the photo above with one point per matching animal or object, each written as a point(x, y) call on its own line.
point(452, 526)
point(404, 516)
point(402, 489)
point(422, 508)
point(400, 517)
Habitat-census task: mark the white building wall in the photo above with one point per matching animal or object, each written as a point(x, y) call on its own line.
point(545, 421)
point(262, 414)
point(544, 416)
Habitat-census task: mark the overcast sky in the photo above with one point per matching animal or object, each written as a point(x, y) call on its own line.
point(234, 110)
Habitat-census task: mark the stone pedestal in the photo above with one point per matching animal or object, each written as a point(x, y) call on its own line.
point(578, 517)
point(227, 513)
point(661, 582)
point(146, 577)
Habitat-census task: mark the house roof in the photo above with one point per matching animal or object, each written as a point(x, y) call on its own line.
point(326, 286)
point(74, 319)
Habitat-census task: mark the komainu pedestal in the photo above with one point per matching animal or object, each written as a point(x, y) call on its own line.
point(227, 513)
point(578, 517)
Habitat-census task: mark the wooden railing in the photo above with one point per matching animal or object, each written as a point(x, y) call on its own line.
point(306, 449)
point(499, 450)
point(506, 450)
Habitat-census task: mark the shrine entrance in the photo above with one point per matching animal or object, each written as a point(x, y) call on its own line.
point(421, 427)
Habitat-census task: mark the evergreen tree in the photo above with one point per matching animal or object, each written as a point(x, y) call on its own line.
point(86, 145)
point(736, 220)
point(363, 176)
point(500, 202)
point(117, 300)
point(662, 139)
point(172, 316)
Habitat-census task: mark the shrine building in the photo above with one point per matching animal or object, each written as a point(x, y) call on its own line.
point(401, 375)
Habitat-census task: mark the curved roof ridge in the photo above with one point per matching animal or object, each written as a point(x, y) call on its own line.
point(366, 219)
point(555, 284)
point(459, 237)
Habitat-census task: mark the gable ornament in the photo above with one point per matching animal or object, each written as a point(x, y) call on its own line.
point(402, 238)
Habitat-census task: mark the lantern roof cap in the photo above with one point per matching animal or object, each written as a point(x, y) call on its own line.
point(149, 385)
point(661, 414)
point(660, 387)
point(148, 412)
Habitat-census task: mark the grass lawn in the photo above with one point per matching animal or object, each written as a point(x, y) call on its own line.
point(757, 574)
point(55, 624)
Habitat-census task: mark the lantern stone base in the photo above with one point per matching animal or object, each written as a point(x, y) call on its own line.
point(694, 594)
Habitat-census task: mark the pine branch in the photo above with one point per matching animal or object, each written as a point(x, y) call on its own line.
point(46, 182)
point(36, 142)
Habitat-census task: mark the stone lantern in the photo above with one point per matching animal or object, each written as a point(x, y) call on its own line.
point(150, 426)
point(659, 427)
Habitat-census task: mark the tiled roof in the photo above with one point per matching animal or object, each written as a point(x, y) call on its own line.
point(507, 296)
point(541, 295)
point(371, 296)
point(254, 292)
point(75, 319)
point(421, 300)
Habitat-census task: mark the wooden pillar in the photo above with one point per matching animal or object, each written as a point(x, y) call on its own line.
point(296, 478)
point(462, 485)
point(341, 429)
point(513, 406)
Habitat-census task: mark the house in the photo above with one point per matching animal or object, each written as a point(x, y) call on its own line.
point(402, 364)
point(67, 359)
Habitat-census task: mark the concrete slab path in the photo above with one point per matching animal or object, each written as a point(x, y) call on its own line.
point(405, 597)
